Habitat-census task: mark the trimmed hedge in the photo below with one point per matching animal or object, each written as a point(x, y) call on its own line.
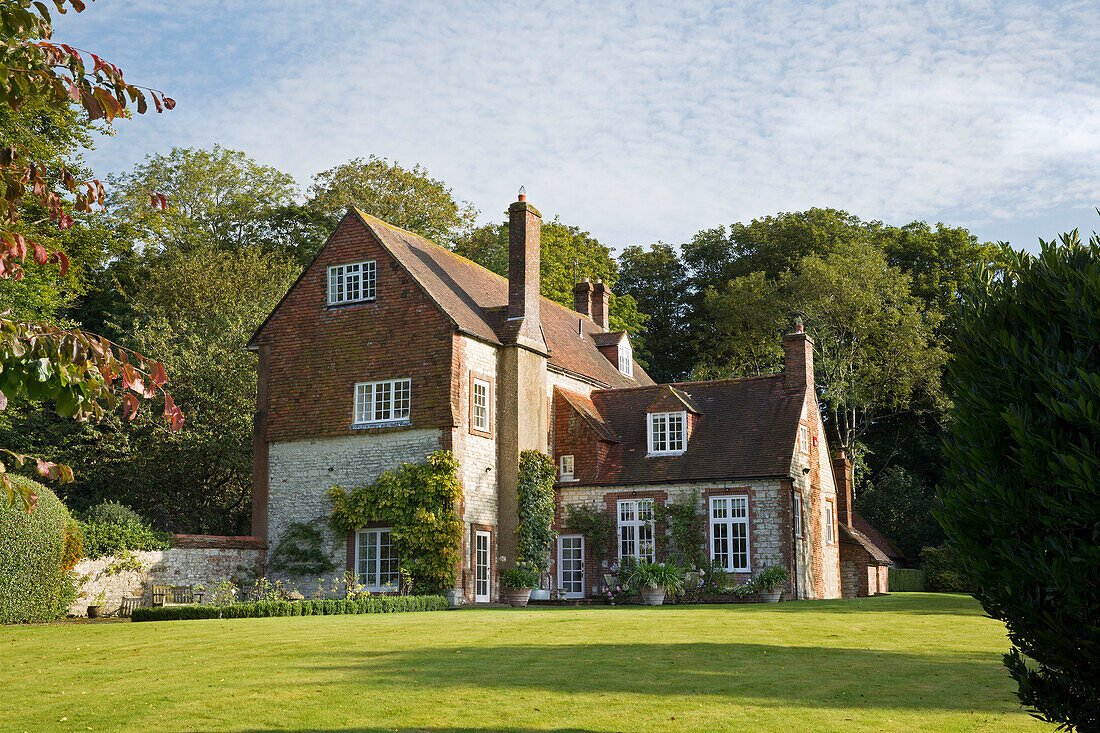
point(103, 538)
point(35, 586)
point(906, 579)
point(310, 607)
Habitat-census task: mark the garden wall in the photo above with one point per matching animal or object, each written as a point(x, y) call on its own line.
point(193, 559)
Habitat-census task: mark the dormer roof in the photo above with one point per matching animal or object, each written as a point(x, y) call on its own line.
point(671, 399)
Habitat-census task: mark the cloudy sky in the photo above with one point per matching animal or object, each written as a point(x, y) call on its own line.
point(642, 121)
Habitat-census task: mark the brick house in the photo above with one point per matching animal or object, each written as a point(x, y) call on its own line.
point(389, 347)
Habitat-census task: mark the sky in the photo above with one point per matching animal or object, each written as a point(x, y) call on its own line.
point(641, 122)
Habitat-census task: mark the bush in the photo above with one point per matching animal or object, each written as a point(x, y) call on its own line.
point(902, 580)
point(1021, 504)
point(109, 538)
point(535, 497)
point(943, 572)
point(301, 552)
point(264, 609)
point(34, 583)
point(112, 512)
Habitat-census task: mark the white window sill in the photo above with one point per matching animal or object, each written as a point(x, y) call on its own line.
point(570, 480)
point(665, 454)
point(403, 422)
point(350, 302)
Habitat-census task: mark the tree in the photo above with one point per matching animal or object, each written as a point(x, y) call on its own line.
point(658, 281)
point(568, 253)
point(745, 321)
point(1021, 504)
point(76, 371)
point(404, 197)
point(217, 197)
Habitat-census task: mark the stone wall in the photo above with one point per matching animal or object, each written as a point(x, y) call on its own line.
point(195, 560)
point(302, 471)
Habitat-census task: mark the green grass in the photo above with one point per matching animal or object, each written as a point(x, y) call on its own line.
point(905, 662)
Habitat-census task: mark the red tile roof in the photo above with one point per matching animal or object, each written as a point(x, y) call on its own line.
point(864, 527)
point(878, 557)
point(745, 429)
point(474, 298)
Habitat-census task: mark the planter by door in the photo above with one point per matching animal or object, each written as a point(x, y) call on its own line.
point(95, 611)
point(652, 596)
point(517, 597)
point(771, 596)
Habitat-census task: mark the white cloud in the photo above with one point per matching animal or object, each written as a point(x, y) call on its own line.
point(640, 121)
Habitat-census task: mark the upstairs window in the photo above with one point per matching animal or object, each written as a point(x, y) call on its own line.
point(804, 438)
point(626, 359)
point(479, 405)
point(667, 435)
point(351, 283)
point(382, 403)
point(566, 465)
point(829, 523)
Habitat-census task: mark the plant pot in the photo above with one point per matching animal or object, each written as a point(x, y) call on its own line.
point(454, 597)
point(540, 594)
point(770, 595)
point(652, 595)
point(517, 597)
point(95, 611)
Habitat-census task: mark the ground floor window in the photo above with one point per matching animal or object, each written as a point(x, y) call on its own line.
point(376, 561)
point(729, 532)
point(636, 529)
point(481, 567)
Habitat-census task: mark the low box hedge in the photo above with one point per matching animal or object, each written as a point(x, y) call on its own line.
point(901, 580)
point(311, 607)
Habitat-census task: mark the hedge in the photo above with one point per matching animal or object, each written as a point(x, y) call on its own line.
point(35, 586)
point(111, 528)
point(906, 579)
point(311, 607)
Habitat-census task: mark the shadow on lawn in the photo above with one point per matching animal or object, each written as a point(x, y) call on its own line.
point(910, 604)
point(411, 730)
point(814, 676)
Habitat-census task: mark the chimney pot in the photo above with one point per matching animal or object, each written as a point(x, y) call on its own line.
point(798, 361)
point(582, 297)
point(601, 299)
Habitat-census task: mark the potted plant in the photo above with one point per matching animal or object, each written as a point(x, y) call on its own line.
point(517, 583)
point(655, 579)
point(95, 610)
point(769, 583)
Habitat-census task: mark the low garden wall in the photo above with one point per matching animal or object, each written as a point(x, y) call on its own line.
point(192, 560)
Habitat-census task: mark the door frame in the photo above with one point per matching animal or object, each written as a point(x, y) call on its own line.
point(561, 564)
point(478, 534)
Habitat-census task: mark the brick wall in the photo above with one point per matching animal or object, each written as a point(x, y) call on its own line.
point(303, 470)
point(197, 560)
point(320, 352)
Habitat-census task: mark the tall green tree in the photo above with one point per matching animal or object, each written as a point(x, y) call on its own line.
point(406, 197)
point(1021, 504)
point(568, 254)
point(658, 281)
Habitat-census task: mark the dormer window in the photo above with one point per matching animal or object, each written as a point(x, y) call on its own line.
point(626, 358)
point(351, 283)
point(667, 433)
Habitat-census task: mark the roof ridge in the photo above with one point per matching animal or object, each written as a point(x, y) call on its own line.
point(696, 382)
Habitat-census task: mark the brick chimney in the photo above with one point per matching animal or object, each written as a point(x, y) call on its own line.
point(601, 298)
point(582, 297)
point(842, 470)
point(524, 258)
point(798, 360)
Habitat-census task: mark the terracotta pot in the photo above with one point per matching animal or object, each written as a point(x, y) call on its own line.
point(652, 595)
point(517, 597)
point(95, 611)
point(770, 596)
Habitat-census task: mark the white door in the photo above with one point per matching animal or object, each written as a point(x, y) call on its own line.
point(571, 565)
point(481, 567)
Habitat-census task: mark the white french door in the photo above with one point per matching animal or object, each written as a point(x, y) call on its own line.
point(571, 565)
point(481, 567)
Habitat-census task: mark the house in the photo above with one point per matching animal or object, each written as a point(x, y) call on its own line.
point(389, 347)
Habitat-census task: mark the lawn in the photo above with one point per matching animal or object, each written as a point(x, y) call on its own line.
point(910, 661)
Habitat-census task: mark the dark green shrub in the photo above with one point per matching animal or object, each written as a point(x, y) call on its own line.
point(686, 538)
point(112, 512)
point(110, 538)
point(1021, 504)
point(34, 583)
point(263, 609)
point(903, 580)
point(943, 572)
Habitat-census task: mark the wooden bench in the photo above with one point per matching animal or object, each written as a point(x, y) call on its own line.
point(176, 595)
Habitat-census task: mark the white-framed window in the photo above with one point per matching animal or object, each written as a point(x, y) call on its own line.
point(729, 532)
point(636, 529)
point(571, 565)
point(381, 403)
point(828, 522)
point(626, 358)
point(797, 515)
point(376, 563)
point(804, 438)
point(479, 405)
point(351, 283)
point(667, 433)
point(565, 463)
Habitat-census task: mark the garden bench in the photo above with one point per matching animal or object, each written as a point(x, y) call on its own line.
point(176, 595)
point(129, 603)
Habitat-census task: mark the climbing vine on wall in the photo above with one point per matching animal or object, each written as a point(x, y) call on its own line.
point(301, 551)
point(536, 508)
point(419, 502)
point(686, 536)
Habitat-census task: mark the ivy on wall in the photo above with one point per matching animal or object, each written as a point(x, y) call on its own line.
point(419, 502)
point(686, 531)
point(301, 552)
point(536, 508)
